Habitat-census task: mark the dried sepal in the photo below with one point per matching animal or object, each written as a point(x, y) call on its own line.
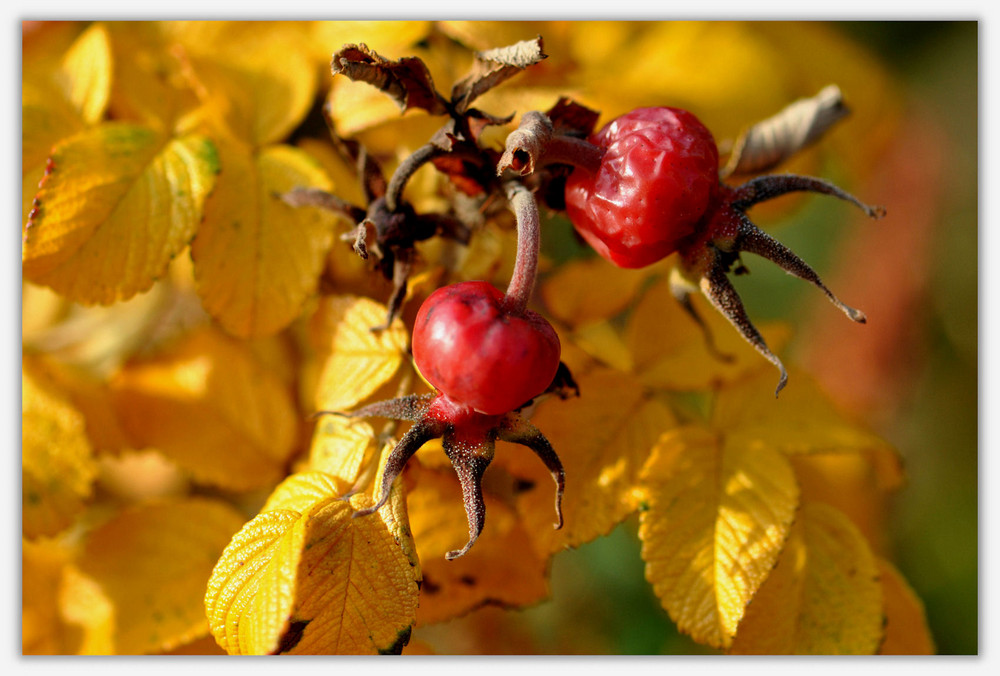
point(570, 118)
point(770, 142)
point(407, 81)
point(494, 66)
point(468, 438)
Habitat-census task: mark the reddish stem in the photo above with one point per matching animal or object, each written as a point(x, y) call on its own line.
point(522, 281)
point(576, 152)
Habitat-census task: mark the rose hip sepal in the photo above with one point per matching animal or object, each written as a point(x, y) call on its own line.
point(469, 440)
point(656, 191)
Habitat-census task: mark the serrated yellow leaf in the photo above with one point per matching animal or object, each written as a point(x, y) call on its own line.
point(46, 118)
point(669, 348)
point(118, 203)
point(210, 406)
point(236, 578)
point(823, 597)
point(906, 630)
point(350, 361)
point(302, 490)
point(716, 520)
point(340, 446)
point(256, 258)
point(153, 561)
point(57, 465)
point(603, 438)
point(502, 568)
point(326, 584)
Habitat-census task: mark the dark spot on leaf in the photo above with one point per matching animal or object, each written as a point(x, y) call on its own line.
point(467, 580)
point(292, 636)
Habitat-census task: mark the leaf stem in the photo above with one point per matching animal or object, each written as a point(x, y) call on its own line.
point(404, 171)
point(522, 281)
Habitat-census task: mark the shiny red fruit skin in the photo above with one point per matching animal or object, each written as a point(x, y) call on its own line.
point(467, 346)
point(657, 179)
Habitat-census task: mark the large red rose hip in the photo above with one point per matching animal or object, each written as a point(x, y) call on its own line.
point(656, 180)
point(468, 346)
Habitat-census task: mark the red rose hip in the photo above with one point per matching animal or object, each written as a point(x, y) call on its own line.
point(657, 178)
point(471, 348)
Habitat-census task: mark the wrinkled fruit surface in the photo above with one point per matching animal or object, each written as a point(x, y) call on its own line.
point(657, 179)
point(470, 348)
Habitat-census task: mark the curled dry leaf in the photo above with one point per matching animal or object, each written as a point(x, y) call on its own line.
point(494, 66)
point(407, 81)
point(770, 142)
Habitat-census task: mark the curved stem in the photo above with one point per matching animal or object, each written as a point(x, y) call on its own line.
point(406, 169)
point(535, 144)
point(522, 281)
point(574, 151)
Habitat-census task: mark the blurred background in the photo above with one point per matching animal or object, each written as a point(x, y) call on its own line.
point(911, 373)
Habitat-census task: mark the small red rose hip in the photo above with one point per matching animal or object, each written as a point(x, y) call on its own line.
point(656, 180)
point(475, 351)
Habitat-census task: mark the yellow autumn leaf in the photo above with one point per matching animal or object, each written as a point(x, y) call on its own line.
point(853, 484)
point(46, 119)
point(669, 348)
point(91, 398)
point(823, 597)
point(317, 582)
point(61, 93)
point(589, 290)
point(57, 464)
point(256, 258)
point(715, 522)
point(603, 438)
point(59, 98)
point(152, 561)
point(348, 360)
point(85, 73)
point(210, 406)
point(502, 568)
point(906, 630)
point(302, 490)
point(119, 202)
point(802, 420)
point(341, 447)
point(62, 611)
point(255, 79)
point(149, 85)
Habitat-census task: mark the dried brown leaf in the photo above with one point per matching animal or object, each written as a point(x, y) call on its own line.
point(407, 81)
point(493, 67)
point(772, 141)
